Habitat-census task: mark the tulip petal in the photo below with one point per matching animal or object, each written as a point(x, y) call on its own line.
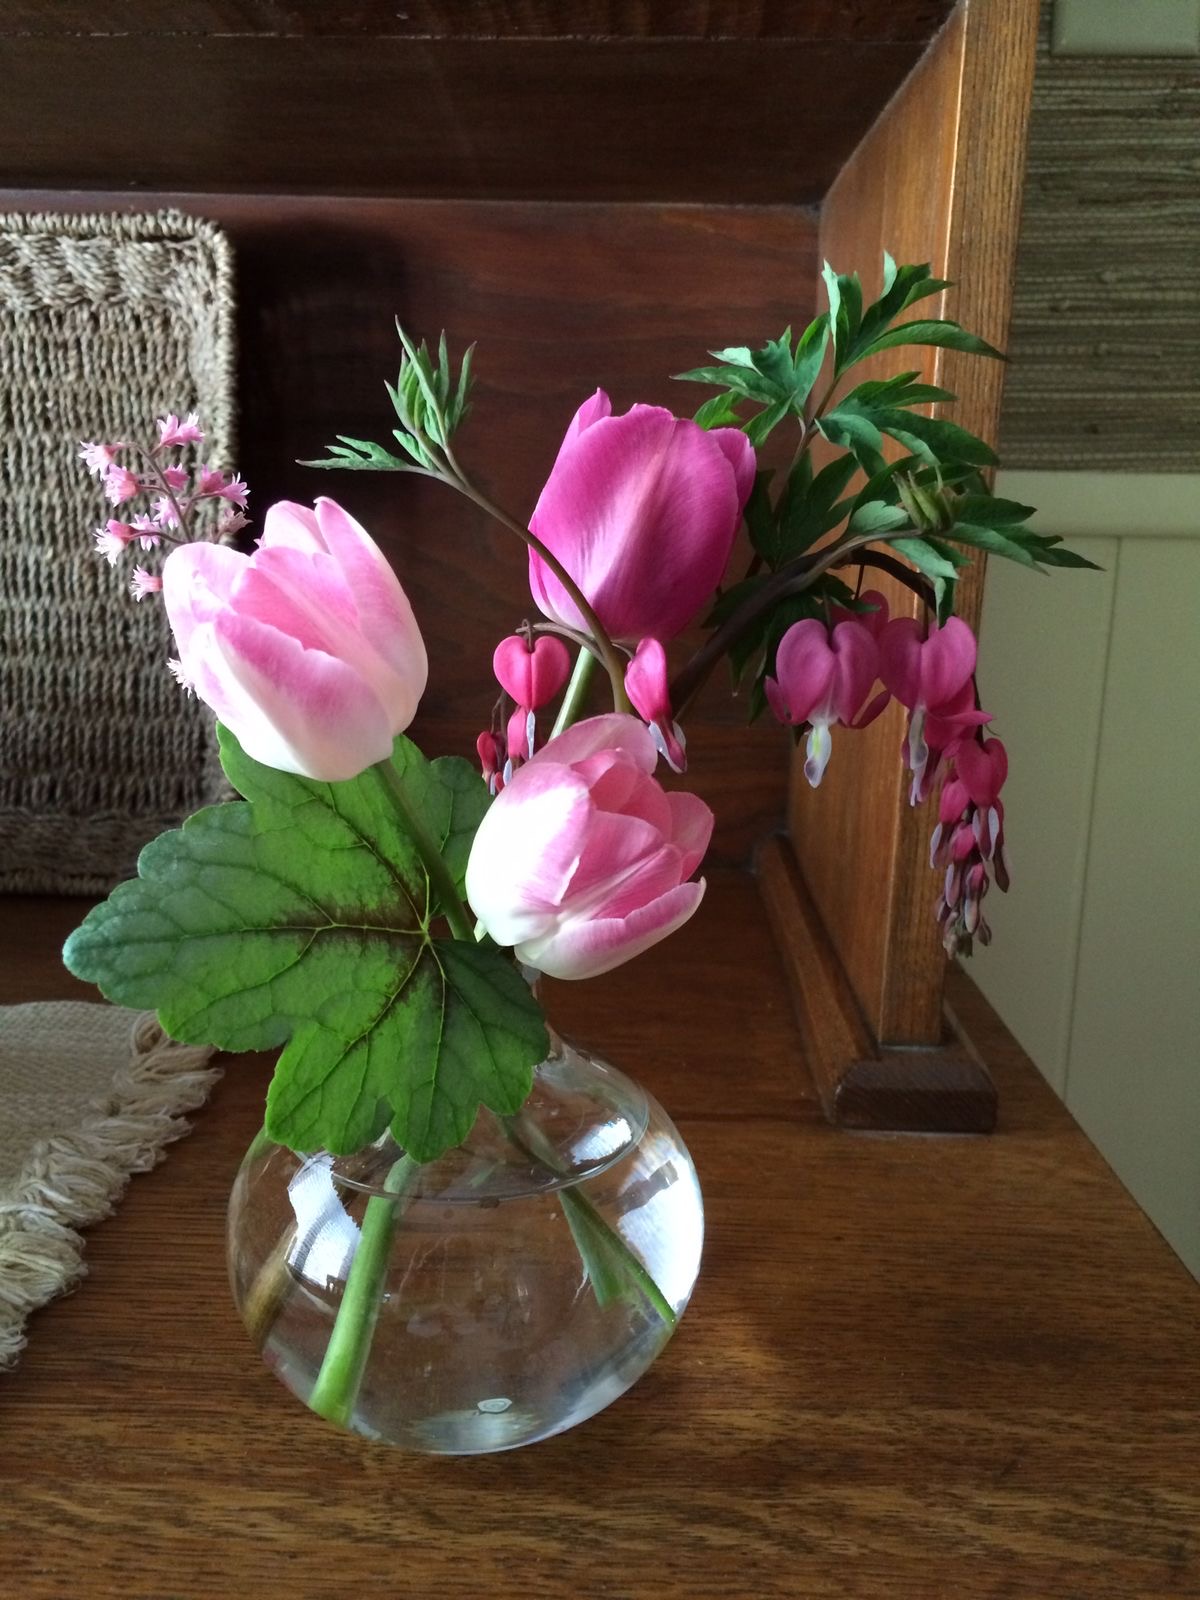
point(293, 709)
point(586, 949)
point(385, 615)
point(691, 829)
point(198, 580)
point(616, 730)
point(526, 850)
point(739, 453)
point(642, 509)
point(288, 524)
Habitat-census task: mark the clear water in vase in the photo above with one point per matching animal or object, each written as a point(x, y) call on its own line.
point(505, 1292)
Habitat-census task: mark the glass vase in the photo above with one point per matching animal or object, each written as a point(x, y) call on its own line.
point(491, 1298)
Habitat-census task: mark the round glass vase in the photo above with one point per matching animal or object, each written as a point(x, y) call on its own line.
point(493, 1297)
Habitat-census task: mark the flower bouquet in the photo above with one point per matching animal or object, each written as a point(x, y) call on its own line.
point(457, 1231)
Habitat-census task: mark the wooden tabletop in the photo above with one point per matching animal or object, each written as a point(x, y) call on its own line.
point(913, 1367)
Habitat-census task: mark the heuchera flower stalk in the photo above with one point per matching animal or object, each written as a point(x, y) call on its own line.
point(583, 861)
point(642, 511)
point(308, 649)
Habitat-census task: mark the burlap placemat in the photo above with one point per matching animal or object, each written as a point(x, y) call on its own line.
point(89, 1094)
point(105, 323)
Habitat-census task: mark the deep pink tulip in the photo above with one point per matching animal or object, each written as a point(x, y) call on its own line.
point(648, 686)
point(583, 862)
point(308, 649)
point(531, 675)
point(821, 680)
point(642, 511)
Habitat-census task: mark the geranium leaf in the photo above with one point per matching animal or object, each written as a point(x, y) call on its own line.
point(301, 917)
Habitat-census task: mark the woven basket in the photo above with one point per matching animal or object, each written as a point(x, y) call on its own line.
point(105, 323)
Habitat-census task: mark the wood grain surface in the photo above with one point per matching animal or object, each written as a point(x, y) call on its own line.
point(859, 21)
point(914, 1368)
point(938, 179)
point(373, 100)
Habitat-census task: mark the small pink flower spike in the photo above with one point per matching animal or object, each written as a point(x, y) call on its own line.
point(648, 688)
point(97, 458)
point(531, 676)
point(112, 539)
point(212, 484)
point(149, 531)
point(232, 522)
point(175, 477)
point(120, 484)
point(164, 512)
point(143, 583)
point(173, 432)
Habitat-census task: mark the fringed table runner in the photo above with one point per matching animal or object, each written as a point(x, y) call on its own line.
point(89, 1094)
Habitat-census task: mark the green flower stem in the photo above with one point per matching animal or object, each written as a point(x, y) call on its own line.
point(611, 1265)
point(336, 1389)
point(577, 689)
point(455, 911)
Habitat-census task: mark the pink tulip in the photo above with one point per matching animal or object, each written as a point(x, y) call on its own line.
point(308, 649)
point(931, 674)
point(822, 680)
point(642, 511)
point(648, 688)
point(582, 862)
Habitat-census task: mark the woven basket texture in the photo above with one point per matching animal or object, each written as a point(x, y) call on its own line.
point(105, 323)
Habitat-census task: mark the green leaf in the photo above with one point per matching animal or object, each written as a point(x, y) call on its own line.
point(742, 380)
point(811, 506)
point(925, 558)
point(719, 412)
point(302, 916)
point(877, 516)
point(986, 510)
point(360, 455)
point(760, 518)
point(851, 430)
point(759, 427)
point(810, 354)
point(845, 313)
point(946, 335)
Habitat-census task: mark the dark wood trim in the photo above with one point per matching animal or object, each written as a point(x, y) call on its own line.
point(944, 1088)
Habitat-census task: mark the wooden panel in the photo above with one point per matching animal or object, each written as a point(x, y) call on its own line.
point(1051, 724)
point(1106, 311)
point(914, 1369)
point(938, 178)
point(864, 21)
point(1132, 1076)
point(616, 119)
point(560, 298)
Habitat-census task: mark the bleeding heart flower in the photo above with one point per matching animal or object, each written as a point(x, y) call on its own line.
point(648, 688)
point(642, 511)
point(531, 674)
point(308, 649)
point(582, 861)
point(931, 674)
point(821, 680)
point(968, 840)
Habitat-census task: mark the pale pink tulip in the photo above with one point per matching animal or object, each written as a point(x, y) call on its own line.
point(642, 511)
point(648, 687)
point(823, 679)
point(583, 861)
point(308, 649)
